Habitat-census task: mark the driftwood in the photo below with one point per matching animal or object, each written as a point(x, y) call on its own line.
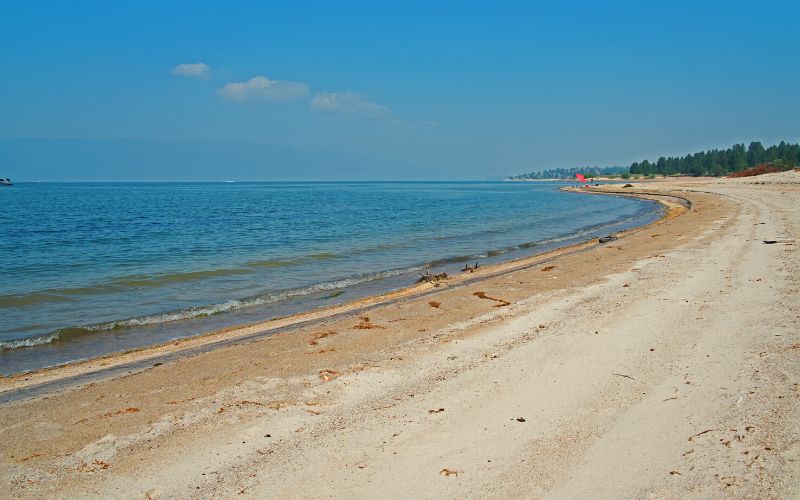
point(432, 278)
point(470, 269)
point(366, 324)
point(502, 302)
point(700, 433)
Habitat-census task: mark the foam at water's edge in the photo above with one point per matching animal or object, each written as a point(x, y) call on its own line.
point(199, 311)
point(74, 332)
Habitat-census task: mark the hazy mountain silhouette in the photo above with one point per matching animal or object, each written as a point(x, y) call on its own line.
point(140, 160)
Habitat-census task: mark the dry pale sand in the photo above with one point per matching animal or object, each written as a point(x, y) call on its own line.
point(663, 364)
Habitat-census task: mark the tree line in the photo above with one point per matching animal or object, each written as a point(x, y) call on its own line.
point(569, 173)
point(717, 162)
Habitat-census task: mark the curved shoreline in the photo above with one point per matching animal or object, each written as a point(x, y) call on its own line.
point(138, 332)
point(31, 384)
point(660, 363)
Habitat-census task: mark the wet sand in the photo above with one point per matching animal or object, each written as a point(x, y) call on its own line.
point(665, 363)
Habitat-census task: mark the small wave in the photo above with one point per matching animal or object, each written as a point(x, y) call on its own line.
point(69, 333)
point(323, 256)
point(331, 295)
point(597, 228)
point(72, 333)
point(115, 285)
point(162, 279)
point(555, 240)
point(31, 299)
point(456, 259)
point(29, 342)
point(500, 251)
point(271, 263)
point(335, 286)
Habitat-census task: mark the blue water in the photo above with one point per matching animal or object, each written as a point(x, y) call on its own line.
point(90, 269)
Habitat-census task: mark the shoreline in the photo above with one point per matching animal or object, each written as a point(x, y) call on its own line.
point(663, 363)
point(82, 331)
point(619, 180)
point(139, 358)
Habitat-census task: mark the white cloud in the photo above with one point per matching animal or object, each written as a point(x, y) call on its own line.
point(196, 70)
point(349, 103)
point(262, 88)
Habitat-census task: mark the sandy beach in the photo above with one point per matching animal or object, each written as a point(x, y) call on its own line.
point(665, 363)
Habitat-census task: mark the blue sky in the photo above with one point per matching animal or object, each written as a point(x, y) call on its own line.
point(455, 90)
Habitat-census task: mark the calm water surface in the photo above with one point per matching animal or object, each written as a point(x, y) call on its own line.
point(90, 269)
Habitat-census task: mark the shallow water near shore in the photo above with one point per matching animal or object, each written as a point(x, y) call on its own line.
point(91, 269)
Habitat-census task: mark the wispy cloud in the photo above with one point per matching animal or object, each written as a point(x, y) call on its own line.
point(262, 88)
point(349, 103)
point(194, 70)
point(345, 103)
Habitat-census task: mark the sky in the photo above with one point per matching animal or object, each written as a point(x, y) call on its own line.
point(413, 90)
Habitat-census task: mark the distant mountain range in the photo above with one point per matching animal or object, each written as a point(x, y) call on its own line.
point(140, 160)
